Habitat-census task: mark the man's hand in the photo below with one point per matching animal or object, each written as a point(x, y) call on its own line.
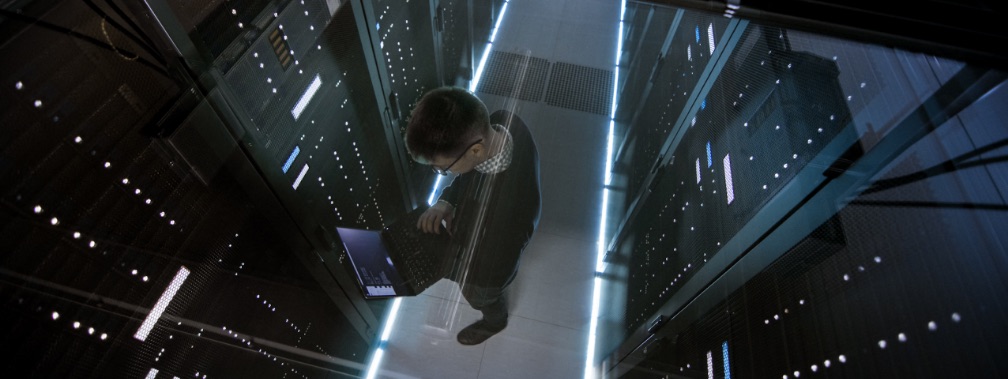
point(430, 220)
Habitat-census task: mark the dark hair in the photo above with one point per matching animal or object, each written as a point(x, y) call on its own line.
point(444, 122)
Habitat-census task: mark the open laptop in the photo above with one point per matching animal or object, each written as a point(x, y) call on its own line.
point(399, 260)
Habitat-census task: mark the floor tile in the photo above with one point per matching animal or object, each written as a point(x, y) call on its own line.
point(538, 36)
point(554, 282)
point(421, 346)
point(569, 47)
point(532, 349)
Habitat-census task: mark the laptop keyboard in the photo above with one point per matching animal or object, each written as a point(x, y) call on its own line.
point(418, 256)
point(422, 268)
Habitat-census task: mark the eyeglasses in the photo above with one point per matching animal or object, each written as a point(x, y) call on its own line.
point(446, 170)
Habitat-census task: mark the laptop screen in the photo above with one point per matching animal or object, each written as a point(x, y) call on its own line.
point(375, 272)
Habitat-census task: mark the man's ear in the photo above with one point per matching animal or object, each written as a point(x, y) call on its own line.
point(420, 159)
point(478, 148)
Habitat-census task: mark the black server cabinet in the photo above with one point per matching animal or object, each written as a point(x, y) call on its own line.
point(207, 151)
point(801, 207)
point(406, 39)
point(421, 45)
point(135, 185)
point(649, 109)
point(294, 82)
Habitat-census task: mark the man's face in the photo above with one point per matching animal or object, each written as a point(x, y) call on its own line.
point(460, 164)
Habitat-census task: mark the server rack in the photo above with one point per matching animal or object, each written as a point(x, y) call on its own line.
point(420, 46)
point(292, 79)
point(211, 148)
point(743, 179)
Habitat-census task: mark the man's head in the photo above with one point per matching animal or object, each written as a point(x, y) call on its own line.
point(446, 130)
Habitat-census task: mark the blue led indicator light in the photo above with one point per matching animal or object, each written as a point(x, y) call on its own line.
point(724, 351)
point(290, 159)
point(703, 104)
point(710, 160)
point(698, 34)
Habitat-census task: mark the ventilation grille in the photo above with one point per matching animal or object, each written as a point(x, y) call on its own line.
point(580, 88)
point(569, 86)
point(503, 72)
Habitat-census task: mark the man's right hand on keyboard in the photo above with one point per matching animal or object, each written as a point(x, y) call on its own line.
point(430, 220)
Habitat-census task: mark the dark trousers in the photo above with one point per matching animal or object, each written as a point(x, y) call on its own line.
point(492, 301)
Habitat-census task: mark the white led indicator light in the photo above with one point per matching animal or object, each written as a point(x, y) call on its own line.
point(728, 179)
point(698, 170)
point(710, 37)
point(710, 365)
point(297, 182)
point(306, 97)
point(161, 305)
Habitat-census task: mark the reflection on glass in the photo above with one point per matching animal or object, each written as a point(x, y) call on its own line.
point(849, 186)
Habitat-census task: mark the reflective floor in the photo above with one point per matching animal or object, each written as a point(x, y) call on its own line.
point(551, 298)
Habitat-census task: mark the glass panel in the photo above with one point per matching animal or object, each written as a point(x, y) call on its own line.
point(751, 136)
point(678, 74)
point(905, 279)
point(457, 44)
point(133, 238)
point(279, 60)
point(407, 49)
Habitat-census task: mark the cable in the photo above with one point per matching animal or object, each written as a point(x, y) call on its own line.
point(145, 45)
point(149, 43)
point(60, 29)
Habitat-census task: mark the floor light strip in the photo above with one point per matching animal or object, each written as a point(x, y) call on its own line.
point(591, 371)
point(486, 51)
point(386, 333)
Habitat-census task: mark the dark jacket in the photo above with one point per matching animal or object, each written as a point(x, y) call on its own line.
point(512, 211)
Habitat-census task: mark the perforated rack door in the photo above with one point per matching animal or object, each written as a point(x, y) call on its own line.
point(452, 23)
point(781, 115)
point(676, 85)
point(890, 281)
point(298, 78)
point(121, 259)
point(299, 89)
point(755, 129)
point(407, 44)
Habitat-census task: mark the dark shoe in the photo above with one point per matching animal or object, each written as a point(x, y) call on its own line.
point(478, 332)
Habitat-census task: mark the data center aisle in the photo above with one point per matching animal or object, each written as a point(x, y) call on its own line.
point(547, 335)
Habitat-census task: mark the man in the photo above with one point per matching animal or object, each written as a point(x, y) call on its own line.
point(491, 208)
